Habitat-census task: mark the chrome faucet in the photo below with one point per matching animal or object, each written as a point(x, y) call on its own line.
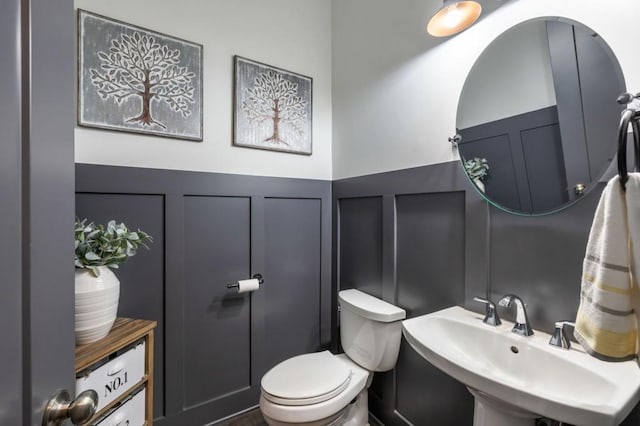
point(522, 325)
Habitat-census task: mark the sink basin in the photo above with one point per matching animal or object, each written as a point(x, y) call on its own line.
point(515, 379)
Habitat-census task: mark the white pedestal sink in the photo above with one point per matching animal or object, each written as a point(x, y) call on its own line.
point(515, 379)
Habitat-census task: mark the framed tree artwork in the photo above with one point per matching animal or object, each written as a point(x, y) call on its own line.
point(272, 108)
point(136, 80)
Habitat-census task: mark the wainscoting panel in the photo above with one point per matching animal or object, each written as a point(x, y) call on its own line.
point(293, 265)
point(209, 229)
point(430, 277)
point(360, 244)
point(422, 222)
point(427, 396)
point(430, 241)
point(142, 277)
point(217, 321)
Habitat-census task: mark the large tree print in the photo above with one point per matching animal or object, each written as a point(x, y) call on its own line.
point(137, 66)
point(274, 98)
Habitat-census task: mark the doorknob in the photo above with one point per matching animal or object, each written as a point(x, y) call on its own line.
point(60, 407)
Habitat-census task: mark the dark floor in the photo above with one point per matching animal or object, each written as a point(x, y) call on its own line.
point(254, 418)
point(250, 418)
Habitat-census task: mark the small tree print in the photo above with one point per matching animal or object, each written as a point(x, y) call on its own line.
point(276, 99)
point(137, 66)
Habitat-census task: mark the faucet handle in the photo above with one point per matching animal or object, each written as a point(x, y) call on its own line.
point(559, 337)
point(491, 316)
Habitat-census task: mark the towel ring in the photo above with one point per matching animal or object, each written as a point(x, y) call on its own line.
point(629, 116)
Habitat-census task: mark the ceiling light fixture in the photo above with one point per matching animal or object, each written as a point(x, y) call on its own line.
point(453, 17)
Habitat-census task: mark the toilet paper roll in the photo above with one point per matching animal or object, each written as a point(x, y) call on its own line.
point(245, 286)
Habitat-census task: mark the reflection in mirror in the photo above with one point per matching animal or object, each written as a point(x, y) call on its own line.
point(539, 110)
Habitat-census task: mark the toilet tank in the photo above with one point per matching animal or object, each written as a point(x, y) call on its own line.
point(370, 330)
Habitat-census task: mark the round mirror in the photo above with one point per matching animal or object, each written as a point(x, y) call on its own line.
point(538, 116)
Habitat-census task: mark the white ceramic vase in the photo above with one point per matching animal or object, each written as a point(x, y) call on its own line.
point(479, 184)
point(96, 304)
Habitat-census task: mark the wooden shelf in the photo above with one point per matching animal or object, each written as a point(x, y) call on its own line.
point(124, 332)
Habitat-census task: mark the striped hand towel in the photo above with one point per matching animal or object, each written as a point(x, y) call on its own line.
point(606, 324)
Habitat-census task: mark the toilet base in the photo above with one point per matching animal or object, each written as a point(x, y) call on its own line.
point(354, 414)
point(358, 412)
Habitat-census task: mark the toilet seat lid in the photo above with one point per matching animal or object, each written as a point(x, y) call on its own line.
point(306, 379)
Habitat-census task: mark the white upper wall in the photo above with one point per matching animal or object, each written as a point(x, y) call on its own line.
point(396, 89)
point(290, 34)
point(511, 77)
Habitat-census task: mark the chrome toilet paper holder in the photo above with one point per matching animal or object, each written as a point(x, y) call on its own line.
point(254, 277)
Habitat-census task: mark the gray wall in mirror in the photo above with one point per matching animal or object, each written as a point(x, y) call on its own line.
point(538, 104)
point(440, 244)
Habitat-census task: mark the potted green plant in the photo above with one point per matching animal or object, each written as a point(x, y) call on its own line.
point(98, 249)
point(477, 170)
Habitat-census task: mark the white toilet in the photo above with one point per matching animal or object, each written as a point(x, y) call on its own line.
point(325, 389)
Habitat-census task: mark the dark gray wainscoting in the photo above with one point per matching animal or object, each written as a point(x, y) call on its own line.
point(424, 239)
point(411, 237)
point(214, 345)
point(361, 244)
